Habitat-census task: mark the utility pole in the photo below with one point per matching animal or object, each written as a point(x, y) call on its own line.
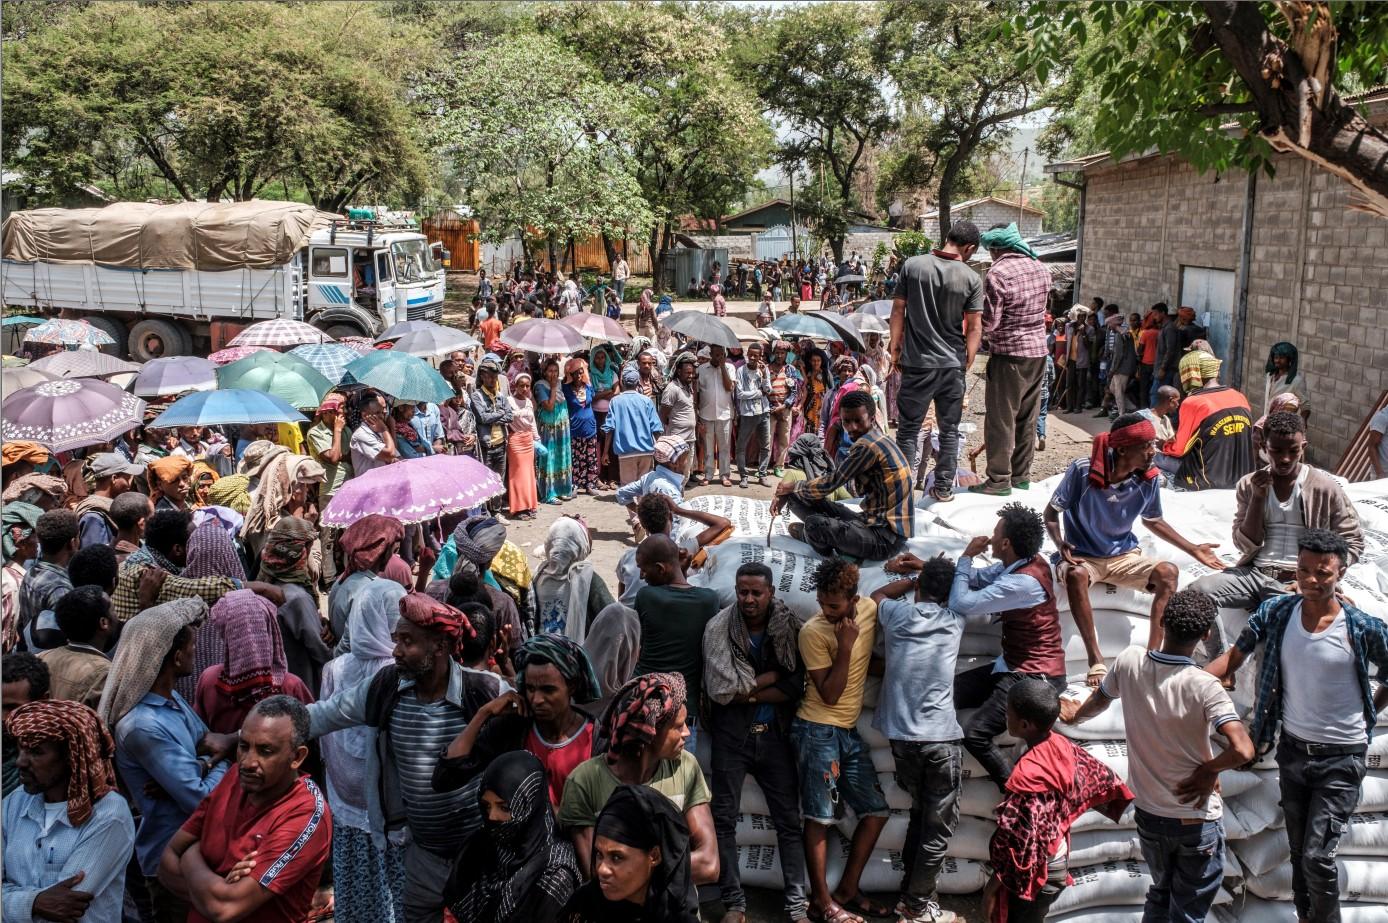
point(794, 235)
point(1022, 188)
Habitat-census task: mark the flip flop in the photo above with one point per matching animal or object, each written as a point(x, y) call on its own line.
point(835, 914)
point(866, 907)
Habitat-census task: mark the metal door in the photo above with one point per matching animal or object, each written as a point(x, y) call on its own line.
point(773, 243)
point(1211, 293)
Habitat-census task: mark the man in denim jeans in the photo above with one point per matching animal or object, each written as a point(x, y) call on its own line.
point(1314, 682)
point(916, 713)
point(835, 763)
point(1169, 706)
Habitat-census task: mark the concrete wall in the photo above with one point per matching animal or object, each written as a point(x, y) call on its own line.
point(1318, 275)
point(987, 214)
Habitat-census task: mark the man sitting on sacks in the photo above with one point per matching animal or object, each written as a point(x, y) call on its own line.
point(880, 475)
point(1100, 497)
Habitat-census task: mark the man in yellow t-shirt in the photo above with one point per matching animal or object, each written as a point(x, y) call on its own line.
point(835, 763)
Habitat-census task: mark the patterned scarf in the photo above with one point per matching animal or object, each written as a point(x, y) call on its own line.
point(428, 613)
point(640, 708)
point(568, 657)
point(1101, 454)
point(288, 553)
point(89, 749)
point(255, 664)
point(366, 540)
point(232, 492)
point(144, 643)
point(211, 553)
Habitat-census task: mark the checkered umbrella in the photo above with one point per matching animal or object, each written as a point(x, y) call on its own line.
point(280, 332)
point(330, 359)
point(233, 353)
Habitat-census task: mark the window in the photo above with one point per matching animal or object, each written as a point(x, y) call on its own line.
point(383, 270)
point(329, 261)
point(413, 261)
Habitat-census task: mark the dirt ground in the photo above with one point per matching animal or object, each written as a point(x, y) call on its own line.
point(1067, 438)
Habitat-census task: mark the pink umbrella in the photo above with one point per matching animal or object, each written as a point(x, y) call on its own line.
point(597, 327)
point(234, 353)
point(414, 490)
point(361, 345)
point(543, 336)
point(69, 413)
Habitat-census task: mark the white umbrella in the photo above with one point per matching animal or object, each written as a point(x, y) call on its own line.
point(870, 323)
point(24, 377)
point(278, 333)
point(434, 340)
point(598, 327)
point(171, 375)
point(881, 308)
point(83, 363)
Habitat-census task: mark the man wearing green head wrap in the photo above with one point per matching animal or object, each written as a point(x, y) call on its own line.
point(20, 543)
point(1014, 325)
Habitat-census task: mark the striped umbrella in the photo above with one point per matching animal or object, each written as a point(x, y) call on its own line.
point(280, 332)
point(329, 359)
point(359, 345)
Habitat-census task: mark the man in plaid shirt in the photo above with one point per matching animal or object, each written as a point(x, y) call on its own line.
point(1014, 326)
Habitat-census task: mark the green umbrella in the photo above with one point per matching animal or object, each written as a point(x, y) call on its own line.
point(286, 376)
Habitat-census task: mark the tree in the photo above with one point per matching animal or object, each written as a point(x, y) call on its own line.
point(817, 68)
point(1172, 76)
point(700, 137)
point(530, 132)
point(219, 100)
point(963, 86)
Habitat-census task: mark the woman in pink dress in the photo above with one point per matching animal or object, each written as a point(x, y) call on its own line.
point(522, 498)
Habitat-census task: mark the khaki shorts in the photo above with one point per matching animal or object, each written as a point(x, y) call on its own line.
point(1132, 569)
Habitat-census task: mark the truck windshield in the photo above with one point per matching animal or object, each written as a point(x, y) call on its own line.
point(413, 261)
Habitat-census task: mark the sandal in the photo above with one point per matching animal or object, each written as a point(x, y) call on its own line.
point(1098, 671)
point(834, 914)
point(864, 906)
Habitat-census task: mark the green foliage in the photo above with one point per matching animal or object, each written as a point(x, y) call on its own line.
point(911, 243)
point(1061, 206)
point(219, 100)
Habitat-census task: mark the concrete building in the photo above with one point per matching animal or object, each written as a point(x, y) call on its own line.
point(986, 212)
point(1260, 258)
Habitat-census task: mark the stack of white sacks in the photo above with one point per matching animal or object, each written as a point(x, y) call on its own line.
point(1110, 877)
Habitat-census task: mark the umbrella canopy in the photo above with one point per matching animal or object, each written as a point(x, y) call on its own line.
point(705, 328)
point(843, 326)
point(232, 353)
point(359, 345)
point(83, 363)
point(60, 332)
point(71, 413)
point(285, 376)
point(804, 325)
point(214, 408)
point(413, 490)
point(280, 332)
point(869, 323)
point(744, 330)
point(849, 278)
point(400, 375)
point(434, 340)
point(880, 308)
point(25, 377)
point(329, 359)
point(397, 330)
point(170, 375)
point(542, 335)
point(597, 327)
point(13, 362)
point(22, 320)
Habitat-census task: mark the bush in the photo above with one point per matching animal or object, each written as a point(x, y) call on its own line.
point(911, 243)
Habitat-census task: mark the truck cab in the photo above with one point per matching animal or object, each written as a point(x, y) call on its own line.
point(363, 276)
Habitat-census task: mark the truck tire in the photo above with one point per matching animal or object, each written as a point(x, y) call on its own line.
point(338, 331)
point(154, 339)
point(117, 330)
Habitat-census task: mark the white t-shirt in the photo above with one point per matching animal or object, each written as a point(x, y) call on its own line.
point(1379, 424)
point(1170, 707)
point(1283, 523)
point(1321, 699)
point(365, 446)
point(716, 401)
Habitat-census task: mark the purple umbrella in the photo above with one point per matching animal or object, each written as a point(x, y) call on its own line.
point(69, 413)
point(414, 490)
point(170, 375)
point(543, 336)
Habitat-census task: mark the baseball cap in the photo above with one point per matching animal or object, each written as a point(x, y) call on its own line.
point(107, 464)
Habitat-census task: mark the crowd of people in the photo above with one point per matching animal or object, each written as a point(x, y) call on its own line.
point(215, 707)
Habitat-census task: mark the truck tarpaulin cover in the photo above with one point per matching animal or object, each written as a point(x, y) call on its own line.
point(188, 235)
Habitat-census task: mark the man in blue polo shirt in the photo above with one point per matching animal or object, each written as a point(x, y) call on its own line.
point(632, 425)
point(1100, 498)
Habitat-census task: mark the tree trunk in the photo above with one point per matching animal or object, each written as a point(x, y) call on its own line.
point(1300, 112)
point(653, 249)
point(946, 194)
point(552, 246)
point(610, 249)
point(836, 245)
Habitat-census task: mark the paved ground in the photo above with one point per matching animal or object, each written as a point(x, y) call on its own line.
point(1067, 439)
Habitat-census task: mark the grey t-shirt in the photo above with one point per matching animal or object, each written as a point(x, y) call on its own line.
point(921, 641)
point(938, 292)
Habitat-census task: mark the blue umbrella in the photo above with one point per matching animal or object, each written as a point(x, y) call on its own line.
point(803, 325)
point(23, 320)
point(236, 405)
point(330, 359)
point(400, 375)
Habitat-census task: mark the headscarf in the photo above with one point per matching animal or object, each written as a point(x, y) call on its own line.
point(642, 818)
point(668, 450)
point(606, 377)
point(501, 866)
point(563, 581)
point(645, 303)
point(428, 613)
point(91, 776)
point(366, 540)
point(288, 553)
point(144, 643)
point(664, 306)
point(279, 476)
point(19, 521)
point(479, 540)
point(201, 469)
point(170, 468)
point(574, 364)
point(398, 570)
point(258, 454)
point(233, 492)
point(1186, 314)
point(224, 516)
point(21, 487)
point(211, 553)
point(613, 645)
point(1008, 238)
point(640, 707)
point(1284, 350)
point(255, 664)
point(21, 451)
point(568, 657)
point(1101, 453)
point(1197, 367)
point(332, 402)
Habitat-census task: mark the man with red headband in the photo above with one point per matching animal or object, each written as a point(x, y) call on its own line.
point(1100, 498)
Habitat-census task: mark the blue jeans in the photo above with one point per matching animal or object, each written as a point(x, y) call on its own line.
point(621, 286)
point(835, 767)
point(1187, 866)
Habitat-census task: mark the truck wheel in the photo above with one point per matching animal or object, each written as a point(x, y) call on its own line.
point(154, 339)
point(338, 331)
point(117, 331)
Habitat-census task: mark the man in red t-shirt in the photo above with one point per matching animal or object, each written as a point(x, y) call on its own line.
point(255, 848)
point(490, 328)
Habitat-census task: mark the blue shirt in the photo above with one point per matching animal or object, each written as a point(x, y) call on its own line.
point(428, 424)
point(633, 423)
point(659, 480)
point(921, 642)
point(582, 423)
point(37, 859)
point(157, 740)
point(765, 713)
point(1099, 520)
point(993, 589)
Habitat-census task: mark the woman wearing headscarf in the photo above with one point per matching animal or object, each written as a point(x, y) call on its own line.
point(644, 731)
point(613, 644)
point(553, 677)
point(604, 366)
point(211, 552)
point(253, 667)
point(554, 479)
point(523, 433)
point(583, 425)
point(289, 561)
point(407, 439)
point(284, 489)
point(20, 544)
point(641, 864)
point(645, 313)
point(568, 593)
point(518, 867)
point(366, 546)
point(203, 478)
point(1284, 376)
